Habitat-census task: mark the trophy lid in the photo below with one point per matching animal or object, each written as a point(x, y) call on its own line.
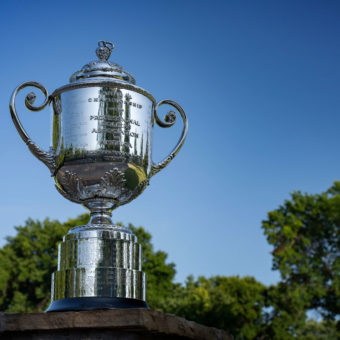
point(103, 68)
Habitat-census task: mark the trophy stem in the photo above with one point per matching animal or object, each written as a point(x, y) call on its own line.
point(101, 211)
point(100, 217)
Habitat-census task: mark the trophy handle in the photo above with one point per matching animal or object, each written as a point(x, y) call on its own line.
point(169, 120)
point(46, 157)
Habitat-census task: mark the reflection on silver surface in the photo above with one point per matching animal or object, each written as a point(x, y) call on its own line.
point(102, 143)
point(100, 261)
point(100, 157)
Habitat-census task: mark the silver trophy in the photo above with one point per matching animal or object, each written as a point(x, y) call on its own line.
point(100, 157)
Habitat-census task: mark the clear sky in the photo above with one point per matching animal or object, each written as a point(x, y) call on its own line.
point(259, 81)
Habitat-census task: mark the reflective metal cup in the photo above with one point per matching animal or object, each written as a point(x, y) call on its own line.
point(100, 157)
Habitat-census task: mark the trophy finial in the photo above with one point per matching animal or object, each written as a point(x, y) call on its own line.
point(104, 50)
point(102, 67)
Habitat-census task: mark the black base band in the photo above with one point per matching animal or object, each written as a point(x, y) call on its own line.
point(91, 303)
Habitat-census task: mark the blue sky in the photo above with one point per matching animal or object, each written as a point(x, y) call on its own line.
point(259, 81)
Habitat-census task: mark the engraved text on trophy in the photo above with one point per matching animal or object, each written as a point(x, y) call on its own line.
point(116, 130)
point(108, 129)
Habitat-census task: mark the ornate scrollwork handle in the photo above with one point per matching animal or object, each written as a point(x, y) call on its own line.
point(46, 157)
point(169, 120)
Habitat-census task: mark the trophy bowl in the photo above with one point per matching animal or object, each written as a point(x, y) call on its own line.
point(100, 157)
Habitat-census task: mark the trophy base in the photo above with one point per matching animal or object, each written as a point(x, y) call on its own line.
point(99, 267)
point(92, 303)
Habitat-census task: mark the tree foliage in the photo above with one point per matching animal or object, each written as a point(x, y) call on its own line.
point(305, 234)
point(324, 330)
point(231, 303)
point(26, 263)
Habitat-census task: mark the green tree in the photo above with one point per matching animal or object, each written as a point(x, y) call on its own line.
point(29, 258)
point(26, 264)
point(313, 330)
point(285, 312)
point(231, 303)
point(305, 234)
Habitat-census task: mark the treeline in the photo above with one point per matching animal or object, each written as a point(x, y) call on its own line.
point(304, 233)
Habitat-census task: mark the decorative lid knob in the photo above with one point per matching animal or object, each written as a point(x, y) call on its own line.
point(103, 68)
point(104, 50)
